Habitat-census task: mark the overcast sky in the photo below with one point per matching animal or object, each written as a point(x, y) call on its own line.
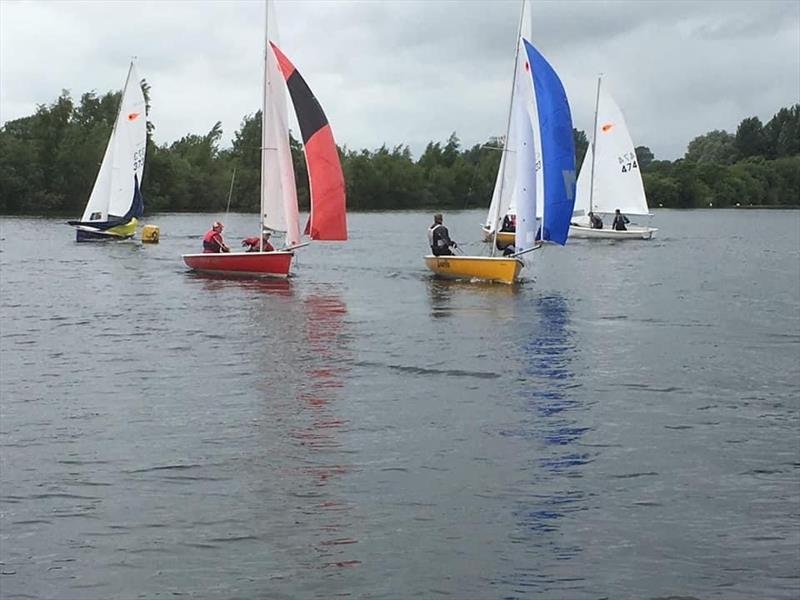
point(408, 72)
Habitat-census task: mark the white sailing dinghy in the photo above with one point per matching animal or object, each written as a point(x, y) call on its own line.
point(537, 171)
point(610, 178)
point(327, 218)
point(116, 203)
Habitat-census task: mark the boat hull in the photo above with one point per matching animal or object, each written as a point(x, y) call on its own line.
point(244, 264)
point(504, 238)
point(126, 231)
point(633, 232)
point(481, 268)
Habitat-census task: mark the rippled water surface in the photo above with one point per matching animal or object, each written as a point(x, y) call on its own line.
point(623, 425)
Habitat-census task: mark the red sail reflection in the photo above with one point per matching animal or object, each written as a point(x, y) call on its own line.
point(323, 380)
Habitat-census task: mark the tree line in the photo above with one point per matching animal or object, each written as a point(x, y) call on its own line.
point(49, 160)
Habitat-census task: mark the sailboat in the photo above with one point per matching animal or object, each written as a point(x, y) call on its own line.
point(610, 178)
point(115, 203)
point(279, 211)
point(539, 119)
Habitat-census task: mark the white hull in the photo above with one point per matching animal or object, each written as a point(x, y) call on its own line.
point(634, 232)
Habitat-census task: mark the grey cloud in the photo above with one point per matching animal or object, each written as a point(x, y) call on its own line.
point(409, 72)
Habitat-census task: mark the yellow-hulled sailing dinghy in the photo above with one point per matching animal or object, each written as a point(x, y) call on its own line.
point(539, 115)
point(483, 268)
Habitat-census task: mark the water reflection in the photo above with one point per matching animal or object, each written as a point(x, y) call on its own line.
point(552, 419)
point(447, 295)
point(327, 356)
point(214, 282)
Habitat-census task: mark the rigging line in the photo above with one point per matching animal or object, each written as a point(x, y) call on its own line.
point(230, 194)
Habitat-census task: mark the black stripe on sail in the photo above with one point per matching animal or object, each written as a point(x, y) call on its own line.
point(308, 110)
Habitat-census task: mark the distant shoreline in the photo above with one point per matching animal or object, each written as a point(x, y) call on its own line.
point(421, 209)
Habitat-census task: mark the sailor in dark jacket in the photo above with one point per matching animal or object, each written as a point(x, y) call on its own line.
point(439, 238)
point(620, 221)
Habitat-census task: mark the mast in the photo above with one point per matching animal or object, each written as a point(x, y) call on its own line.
point(496, 216)
point(594, 143)
point(264, 104)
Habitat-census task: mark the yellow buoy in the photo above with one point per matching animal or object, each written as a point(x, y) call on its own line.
point(150, 234)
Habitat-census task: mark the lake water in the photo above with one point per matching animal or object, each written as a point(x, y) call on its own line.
point(623, 425)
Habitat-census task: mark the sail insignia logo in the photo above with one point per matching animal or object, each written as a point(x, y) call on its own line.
point(606, 127)
point(133, 116)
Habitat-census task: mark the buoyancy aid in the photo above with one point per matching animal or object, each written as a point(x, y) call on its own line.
point(210, 242)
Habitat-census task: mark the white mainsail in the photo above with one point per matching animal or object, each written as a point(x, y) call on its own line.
point(279, 210)
point(526, 120)
point(617, 180)
point(123, 161)
point(502, 197)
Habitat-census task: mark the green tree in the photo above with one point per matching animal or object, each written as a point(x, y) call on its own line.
point(715, 146)
point(644, 156)
point(751, 139)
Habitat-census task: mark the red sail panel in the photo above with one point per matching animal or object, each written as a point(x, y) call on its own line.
point(327, 219)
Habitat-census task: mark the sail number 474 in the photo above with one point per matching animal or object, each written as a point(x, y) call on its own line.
point(628, 161)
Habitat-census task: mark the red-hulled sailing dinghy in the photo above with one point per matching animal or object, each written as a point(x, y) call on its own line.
point(279, 212)
point(248, 264)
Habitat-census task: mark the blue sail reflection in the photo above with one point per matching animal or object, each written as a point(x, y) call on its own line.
point(551, 418)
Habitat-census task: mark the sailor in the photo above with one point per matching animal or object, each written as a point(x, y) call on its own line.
point(252, 243)
point(620, 221)
point(439, 238)
point(212, 240)
point(595, 222)
point(509, 223)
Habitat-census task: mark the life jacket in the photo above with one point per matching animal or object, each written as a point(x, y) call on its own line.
point(252, 244)
point(210, 244)
point(437, 238)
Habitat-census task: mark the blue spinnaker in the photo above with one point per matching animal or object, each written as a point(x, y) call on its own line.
point(558, 148)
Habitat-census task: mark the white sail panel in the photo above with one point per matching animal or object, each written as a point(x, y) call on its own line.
point(123, 161)
point(525, 185)
point(502, 197)
point(617, 178)
point(580, 213)
point(278, 189)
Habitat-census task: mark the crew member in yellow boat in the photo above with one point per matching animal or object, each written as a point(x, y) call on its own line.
point(439, 238)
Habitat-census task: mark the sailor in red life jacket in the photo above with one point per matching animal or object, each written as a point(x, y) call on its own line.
point(212, 240)
point(252, 243)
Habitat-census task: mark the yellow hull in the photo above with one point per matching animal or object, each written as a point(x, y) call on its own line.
point(504, 238)
point(484, 268)
point(125, 230)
